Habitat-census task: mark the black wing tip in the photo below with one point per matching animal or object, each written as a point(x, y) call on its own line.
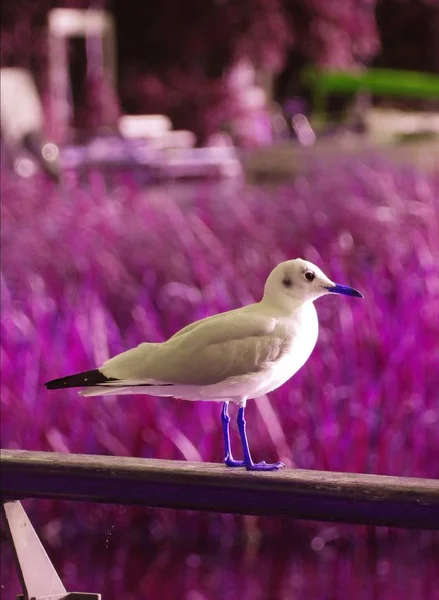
point(51, 385)
point(84, 379)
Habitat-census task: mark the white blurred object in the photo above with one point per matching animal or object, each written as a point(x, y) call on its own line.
point(97, 27)
point(21, 110)
point(156, 129)
point(220, 161)
point(241, 76)
point(22, 121)
point(25, 167)
point(304, 131)
point(144, 126)
point(253, 98)
point(219, 140)
point(384, 124)
point(174, 139)
point(157, 161)
point(71, 22)
point(251, 124)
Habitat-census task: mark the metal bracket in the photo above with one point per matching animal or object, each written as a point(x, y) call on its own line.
point(37, 575)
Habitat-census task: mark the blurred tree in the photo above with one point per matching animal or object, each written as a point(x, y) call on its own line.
point(409, 31)
point(174, 54)
point(337, 34)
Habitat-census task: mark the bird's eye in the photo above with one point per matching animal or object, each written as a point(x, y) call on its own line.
point(310, 276)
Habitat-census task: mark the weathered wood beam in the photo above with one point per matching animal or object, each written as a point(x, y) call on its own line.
point(296, 493)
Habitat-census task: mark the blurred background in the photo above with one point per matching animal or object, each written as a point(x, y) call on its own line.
point(158, 159)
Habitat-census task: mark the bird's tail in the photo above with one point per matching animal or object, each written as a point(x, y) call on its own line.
point(97, 384)
point(84, 379)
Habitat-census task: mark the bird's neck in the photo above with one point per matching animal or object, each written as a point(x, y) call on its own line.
point(288, 307)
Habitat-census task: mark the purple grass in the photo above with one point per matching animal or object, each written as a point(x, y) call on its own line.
point(91, 271)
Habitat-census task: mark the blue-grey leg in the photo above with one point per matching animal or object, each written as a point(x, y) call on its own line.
point(225, 420)
point(248, 462)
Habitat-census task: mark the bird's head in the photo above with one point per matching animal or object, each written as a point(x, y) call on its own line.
point(295, 282)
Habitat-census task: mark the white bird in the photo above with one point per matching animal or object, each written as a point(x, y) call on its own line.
point(231, 356)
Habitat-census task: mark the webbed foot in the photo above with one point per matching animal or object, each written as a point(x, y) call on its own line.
point(251, 466)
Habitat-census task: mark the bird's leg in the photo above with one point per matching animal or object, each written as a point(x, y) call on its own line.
point(248, 462)
point(225, 420)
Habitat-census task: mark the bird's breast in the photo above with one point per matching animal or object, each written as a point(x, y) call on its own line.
point(303, 333)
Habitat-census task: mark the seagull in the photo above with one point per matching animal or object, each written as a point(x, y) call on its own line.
point(228, 357)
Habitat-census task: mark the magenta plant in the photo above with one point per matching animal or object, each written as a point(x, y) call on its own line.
point(90, 271)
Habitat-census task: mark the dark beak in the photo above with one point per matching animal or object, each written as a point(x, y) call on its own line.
point(344, 290)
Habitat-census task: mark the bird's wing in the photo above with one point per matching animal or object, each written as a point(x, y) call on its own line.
point(234, 344)
point(195, 324)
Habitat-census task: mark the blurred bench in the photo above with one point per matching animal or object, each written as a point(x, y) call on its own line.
point(382, 82)
point(296, 493)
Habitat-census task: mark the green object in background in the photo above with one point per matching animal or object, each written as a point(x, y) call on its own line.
point(386, 82)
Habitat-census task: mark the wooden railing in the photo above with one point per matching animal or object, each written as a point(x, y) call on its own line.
point(296, 493)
